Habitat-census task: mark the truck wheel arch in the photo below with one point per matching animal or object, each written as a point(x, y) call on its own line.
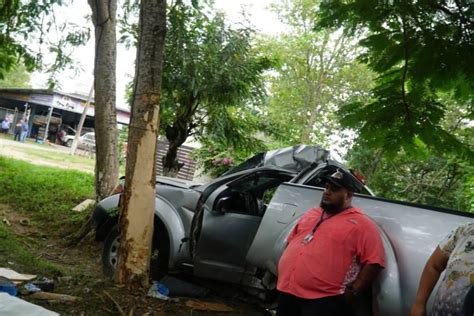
point(171, 220)
point(386, 290)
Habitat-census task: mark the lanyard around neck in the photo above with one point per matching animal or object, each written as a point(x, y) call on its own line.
point(321, 220)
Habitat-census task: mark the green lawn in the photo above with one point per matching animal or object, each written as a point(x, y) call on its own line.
point(45, 196)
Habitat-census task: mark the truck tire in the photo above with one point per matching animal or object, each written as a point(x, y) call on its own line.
point(110, 252)
point(69, 143)
point(159, 255)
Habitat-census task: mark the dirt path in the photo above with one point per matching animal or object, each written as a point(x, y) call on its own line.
point(50, 155)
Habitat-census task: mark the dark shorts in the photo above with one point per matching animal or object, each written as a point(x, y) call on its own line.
point(327, 306)
point(468, 307)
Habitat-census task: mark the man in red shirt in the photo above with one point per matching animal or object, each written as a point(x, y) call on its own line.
point(334, 253)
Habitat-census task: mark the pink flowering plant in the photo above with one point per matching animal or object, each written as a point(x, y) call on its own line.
point(216, 161)
point(216, 158)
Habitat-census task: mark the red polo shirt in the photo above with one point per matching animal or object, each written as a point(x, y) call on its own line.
point(341, 245)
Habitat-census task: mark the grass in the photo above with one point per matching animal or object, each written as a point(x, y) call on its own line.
point(44, 196)
point(14, 253)
point(58, 156)
point(44, 192)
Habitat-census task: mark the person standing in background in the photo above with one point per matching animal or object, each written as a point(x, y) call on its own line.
point(5, 125)
point(17, 131)
point(24, 131)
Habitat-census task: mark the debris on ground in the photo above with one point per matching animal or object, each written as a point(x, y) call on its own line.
point(7, 286)
point(14, 276)
point(158, 290)
point(208, 306)
point(44, 284)
point(12, 305)
point(178, 287)
point(25, 222)
point(83, 205)
point(54, 297)
point(31, 288)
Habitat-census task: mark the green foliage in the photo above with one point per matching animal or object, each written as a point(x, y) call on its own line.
point(44, 193)
point(208, 66)
point(12, 249)
point(209, 70)
point(421, 50)
point(25, 27)
point(316, 73)
point(17, 77)
point(417, 177)
point(45, 196)
point(230, 142)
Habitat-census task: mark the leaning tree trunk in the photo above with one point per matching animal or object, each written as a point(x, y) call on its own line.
point(106, 134)
point(136, 219)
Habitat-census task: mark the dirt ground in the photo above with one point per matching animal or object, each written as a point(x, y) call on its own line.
point(81, 267)
point(22, 151)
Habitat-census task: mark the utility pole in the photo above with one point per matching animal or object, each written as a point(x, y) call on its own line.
point(46, 130)
point(81, 122)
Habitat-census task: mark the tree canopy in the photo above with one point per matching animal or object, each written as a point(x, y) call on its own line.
point(210, 71)
point(26, 36)
point(421, 50)
point(16, 77)
point(316, 73)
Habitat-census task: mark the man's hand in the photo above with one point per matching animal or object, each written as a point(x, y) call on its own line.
point(418, 310)
point(350, 294)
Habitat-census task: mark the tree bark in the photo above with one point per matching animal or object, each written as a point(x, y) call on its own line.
point(176, 136)
point(136, 219)
point(106, 134)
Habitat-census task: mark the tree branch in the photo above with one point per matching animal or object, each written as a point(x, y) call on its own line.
point(405, 62)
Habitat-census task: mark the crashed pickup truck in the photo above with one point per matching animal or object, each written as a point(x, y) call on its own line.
point(234, 228)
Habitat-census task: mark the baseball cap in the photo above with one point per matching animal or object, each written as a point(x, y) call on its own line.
point(343, 179)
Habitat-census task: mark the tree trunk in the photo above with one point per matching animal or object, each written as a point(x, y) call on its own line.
point(176, 136)
point(106, 134)
point(136, 219)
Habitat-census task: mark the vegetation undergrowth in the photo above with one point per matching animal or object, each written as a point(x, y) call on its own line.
point(43, 194)
point(14, 253)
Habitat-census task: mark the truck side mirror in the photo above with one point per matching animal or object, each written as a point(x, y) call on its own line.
point(221, 205)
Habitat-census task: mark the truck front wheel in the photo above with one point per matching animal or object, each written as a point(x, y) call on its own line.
point(159, 255)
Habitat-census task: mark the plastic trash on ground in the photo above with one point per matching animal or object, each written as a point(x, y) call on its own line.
point(158, 290)
point(179, 287)
point(7, 286)
point(31, 288)
point(44, 284)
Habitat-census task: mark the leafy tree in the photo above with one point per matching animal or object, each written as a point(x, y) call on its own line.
point(210, 73)
point(316, 73)
point(420, 50)
point(208, 67)
point(106, 133)
point(230, 142)
point(421, 176)
point(23, 29)
point(17, 77)
point(136, 218)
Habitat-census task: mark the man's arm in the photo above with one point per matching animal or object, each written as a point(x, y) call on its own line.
point(433, 268)
point(365, 278)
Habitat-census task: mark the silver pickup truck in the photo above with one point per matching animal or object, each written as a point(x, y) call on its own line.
point(234, 229)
